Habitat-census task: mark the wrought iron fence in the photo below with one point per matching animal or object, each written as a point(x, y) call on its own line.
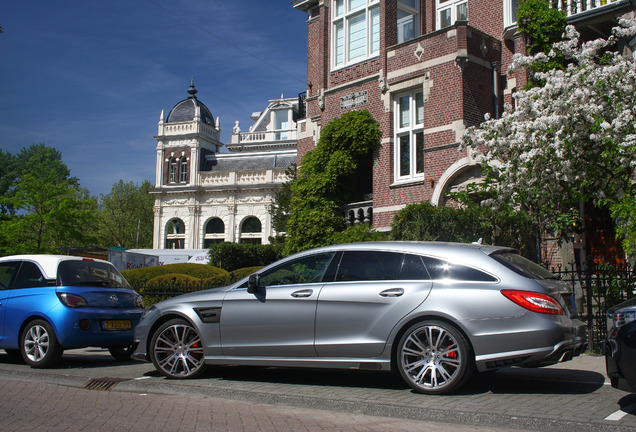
point(596, 288)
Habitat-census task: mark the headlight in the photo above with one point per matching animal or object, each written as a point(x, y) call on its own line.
point(139, 302)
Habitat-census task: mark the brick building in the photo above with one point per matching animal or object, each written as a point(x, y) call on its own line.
point(426, 70)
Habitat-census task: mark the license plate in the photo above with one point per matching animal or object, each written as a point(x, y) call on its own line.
point(117, 325)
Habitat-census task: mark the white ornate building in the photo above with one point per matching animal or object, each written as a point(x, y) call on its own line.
point(203, 196)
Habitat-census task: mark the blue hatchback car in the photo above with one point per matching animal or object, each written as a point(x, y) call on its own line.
point(49, 303)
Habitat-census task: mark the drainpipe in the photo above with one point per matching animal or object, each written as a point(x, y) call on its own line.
point(495, 88)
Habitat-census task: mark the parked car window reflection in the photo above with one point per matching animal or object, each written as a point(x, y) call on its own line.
point(413, 268)
point(7, 270)
point(90, 273)
point(442, 270)
point(30, 276)
point(369, 265)
point(308, 269)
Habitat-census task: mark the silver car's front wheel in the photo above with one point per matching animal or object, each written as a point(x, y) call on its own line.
point(433, 357)
point(176, 350)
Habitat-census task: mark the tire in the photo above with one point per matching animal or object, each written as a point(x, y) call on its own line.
point(176, 350)
point(39, 346)
point(434, 357)
point(122, 353)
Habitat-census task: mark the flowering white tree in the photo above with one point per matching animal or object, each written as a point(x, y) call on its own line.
point(573, 139)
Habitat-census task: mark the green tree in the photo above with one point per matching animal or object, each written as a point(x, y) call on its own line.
point(327, 180)
point(126, 216)
point(51, 209)
point(8, 175)
point(282, 202)
point(543, 26)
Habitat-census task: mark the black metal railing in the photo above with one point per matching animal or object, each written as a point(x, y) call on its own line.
point(596, 288)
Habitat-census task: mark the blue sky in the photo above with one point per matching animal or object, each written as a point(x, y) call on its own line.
point(90, 78)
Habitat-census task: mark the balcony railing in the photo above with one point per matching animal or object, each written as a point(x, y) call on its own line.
point(574, 7)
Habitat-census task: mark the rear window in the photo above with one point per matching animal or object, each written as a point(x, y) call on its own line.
point(522, 266)
point(90, 273)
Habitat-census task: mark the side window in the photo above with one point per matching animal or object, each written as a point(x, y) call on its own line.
point(7, 271)
point(442, 270)
point(308, 269)
point(30, 276)
point(369, 265)
point(413, 268)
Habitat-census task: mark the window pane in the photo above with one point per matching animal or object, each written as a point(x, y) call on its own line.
point(339, 7)
point(357, 36)
point(411, 3)
point(375, 30)
point(215, 226)
point(413, 268)
point(405, 112)
point(406, 26)
point(419, 152)
point(405, 155)
point(445, 18)
point(462, 12)
point(251, 225)
point(303, 270)
point(354, 4)
point(367, 265)
point(441, 270)
point(419, 108)
point(339, 44)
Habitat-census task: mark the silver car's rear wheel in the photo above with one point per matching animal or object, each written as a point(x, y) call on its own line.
point(433, 357)
point(176, 350)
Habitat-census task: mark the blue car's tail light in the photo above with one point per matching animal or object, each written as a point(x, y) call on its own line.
point(71, 300)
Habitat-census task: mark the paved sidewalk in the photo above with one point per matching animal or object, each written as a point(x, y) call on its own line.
point(570, 396)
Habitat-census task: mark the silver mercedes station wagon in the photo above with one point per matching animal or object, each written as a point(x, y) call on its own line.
point(435, 312)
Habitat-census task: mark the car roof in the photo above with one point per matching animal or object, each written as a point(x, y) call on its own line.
point(422, 247)
point(48, 263)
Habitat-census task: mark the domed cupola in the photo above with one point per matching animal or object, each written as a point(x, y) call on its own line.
point(186, 110)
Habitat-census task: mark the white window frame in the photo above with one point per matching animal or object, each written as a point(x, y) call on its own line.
point(344, 12)
point(183, 170)
point(410, 127)
point(451, 6)
point(510, 8)
point(414, 16)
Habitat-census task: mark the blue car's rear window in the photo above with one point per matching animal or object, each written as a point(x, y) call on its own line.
point(90, 273)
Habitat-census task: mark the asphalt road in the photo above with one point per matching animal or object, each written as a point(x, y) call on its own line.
point(91, 389)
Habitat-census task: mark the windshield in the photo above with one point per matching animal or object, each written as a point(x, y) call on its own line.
point(90, 273)
point(522, 266)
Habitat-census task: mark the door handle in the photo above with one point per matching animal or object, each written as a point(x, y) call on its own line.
point(302, 293)
point(393, 292)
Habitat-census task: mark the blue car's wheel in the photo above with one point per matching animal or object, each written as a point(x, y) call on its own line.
point(39, 346)
point(176, 350)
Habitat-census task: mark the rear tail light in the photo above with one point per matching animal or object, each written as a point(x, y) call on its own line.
point(71, 300)
point(535, 302)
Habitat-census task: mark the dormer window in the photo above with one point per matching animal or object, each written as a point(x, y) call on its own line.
point(355, 31)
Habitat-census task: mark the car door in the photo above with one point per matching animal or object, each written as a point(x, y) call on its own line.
point(278, 320)
point(8, 270)
point(373, 290)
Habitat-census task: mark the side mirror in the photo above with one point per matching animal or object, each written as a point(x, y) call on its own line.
point(252, 283)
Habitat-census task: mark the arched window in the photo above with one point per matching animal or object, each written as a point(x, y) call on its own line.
point(175, 234)
point(214, 232)
point(172, 176)
point(251, 230)
point(183, 171)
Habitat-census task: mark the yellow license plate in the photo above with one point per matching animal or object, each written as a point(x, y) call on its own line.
point(117, 325)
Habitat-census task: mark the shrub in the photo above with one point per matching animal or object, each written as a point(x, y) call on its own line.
point(232, 256)
point(141, 276)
